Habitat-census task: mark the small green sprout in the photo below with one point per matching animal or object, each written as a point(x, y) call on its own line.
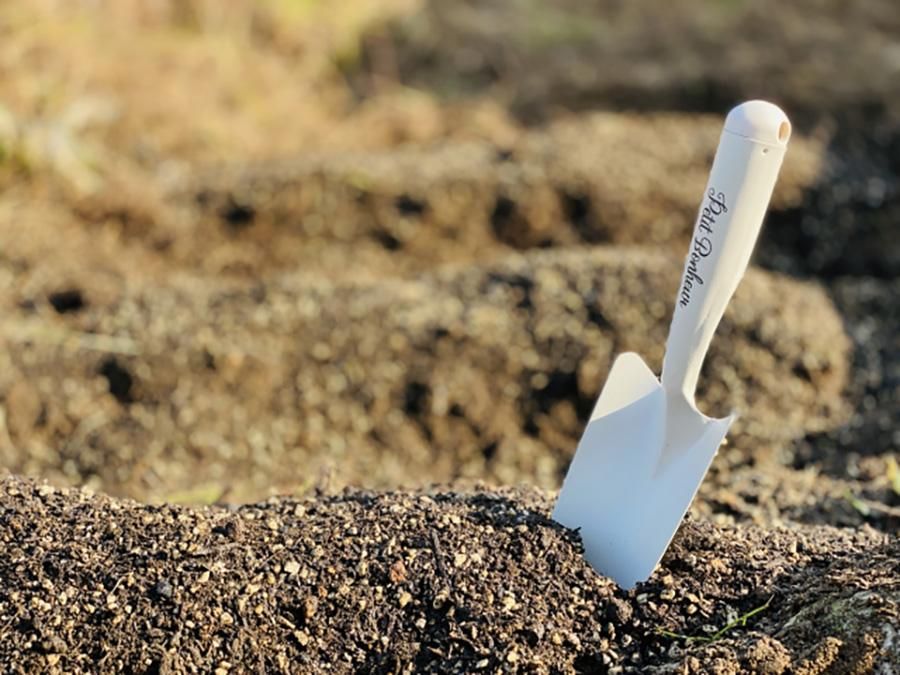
point(203, 495)
point(867, 507)
point(858, 504)
point(893, 474)
point(719, 634)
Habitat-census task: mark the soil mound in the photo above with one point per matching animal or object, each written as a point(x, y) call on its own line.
point(598, 178)
point(433, 581)
point(483, 371)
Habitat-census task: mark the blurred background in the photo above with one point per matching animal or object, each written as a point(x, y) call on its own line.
point(275, 245)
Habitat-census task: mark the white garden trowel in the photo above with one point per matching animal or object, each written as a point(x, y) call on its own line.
point(647, 447)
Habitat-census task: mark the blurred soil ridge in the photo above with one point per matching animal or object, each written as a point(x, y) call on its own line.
point(254, 213)
point(832, 66)
point(481, 371)
point(417, 206)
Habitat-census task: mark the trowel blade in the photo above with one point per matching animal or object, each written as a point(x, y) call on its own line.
point(626, 501)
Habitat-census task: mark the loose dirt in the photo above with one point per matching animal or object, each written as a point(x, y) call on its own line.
point(430, 581)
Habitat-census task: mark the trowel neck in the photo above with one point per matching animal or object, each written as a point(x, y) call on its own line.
point(681, 370)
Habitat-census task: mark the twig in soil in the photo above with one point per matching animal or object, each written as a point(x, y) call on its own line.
point(85, 428)
point(62, 337)
point(719, 634)
point(111, 344)
point(5, 439)
point(439, 563)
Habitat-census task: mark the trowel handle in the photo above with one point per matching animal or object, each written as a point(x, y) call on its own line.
point(741, 181)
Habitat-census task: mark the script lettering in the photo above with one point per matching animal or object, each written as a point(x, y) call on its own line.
point(702, 246)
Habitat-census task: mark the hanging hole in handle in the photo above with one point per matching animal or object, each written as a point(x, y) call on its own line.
point(784, 132)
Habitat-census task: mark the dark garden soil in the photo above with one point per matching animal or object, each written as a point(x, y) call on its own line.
point(431, 581)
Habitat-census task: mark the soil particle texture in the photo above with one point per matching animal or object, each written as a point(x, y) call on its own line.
point(429, 581)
